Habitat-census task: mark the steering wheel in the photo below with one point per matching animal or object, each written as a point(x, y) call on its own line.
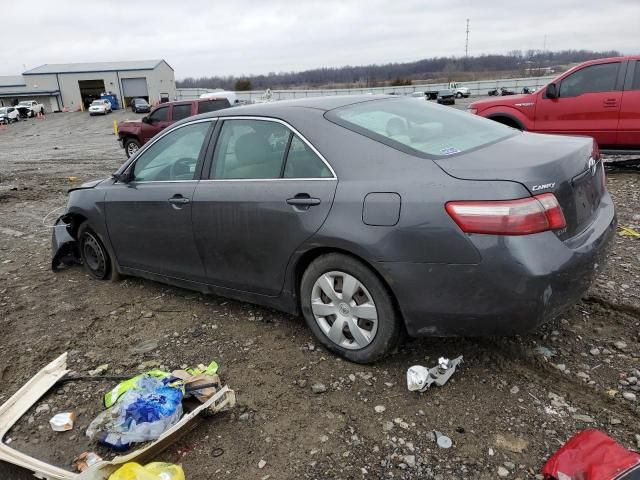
point(180, 166)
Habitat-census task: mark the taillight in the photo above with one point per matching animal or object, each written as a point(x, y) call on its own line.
point(604, 176)
point(508, 217)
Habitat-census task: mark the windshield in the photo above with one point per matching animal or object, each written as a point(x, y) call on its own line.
point(3, 110)
point(97, 102)
point(28, 104)
point(416, 126)
point(140, 101)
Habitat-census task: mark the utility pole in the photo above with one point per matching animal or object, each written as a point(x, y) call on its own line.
point(466, 45)
point(544, 43)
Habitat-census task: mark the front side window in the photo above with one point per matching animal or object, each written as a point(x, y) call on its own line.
point(181, 111)
point(250, 149)
point(591, 79)
point(418, 127)
point(174, 156)
point(159, 114)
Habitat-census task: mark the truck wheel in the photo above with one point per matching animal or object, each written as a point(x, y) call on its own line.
point(131, 146)
point(459, 95)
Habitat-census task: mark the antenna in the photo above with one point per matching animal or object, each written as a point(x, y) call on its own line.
point(466, 45)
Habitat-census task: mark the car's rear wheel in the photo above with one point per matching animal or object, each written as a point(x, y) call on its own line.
point(95, 257)
point(131, 146)
point(349, 309)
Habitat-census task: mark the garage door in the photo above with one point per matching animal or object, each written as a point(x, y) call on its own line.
point(134, 87)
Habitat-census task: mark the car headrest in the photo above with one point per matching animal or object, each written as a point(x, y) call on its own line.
point(251, 148)
point(396, 126)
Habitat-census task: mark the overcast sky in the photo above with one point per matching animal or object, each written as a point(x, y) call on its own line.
point(206, 37)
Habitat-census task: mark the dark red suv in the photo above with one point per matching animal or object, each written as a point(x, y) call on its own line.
point(132, 134)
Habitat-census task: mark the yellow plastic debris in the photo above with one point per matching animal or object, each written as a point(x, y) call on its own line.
point(151, 471)
point(73, 179)
point(629, 232)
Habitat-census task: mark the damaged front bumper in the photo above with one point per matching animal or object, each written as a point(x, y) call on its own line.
point(64, 246)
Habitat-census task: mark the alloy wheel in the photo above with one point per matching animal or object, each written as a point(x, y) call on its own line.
point(132, 148)
point(344, 310)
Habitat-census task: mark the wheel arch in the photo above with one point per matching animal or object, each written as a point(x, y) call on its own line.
point(309, 256)
point(507, 118)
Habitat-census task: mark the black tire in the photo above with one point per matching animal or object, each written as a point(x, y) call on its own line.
point(390, 329)
point(459, 95)
point(129, 144)
point(95, 258)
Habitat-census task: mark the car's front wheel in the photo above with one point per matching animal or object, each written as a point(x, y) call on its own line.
point(131, 146)
point(349, 309)
point(95, 257)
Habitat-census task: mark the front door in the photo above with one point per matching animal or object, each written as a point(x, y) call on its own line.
point(157, 120)
point(629, 125)
point(268, 191)
point(588, 104)
point(149, 217)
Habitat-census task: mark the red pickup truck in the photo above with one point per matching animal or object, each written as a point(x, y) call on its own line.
point(599, 98)
point(132, 134)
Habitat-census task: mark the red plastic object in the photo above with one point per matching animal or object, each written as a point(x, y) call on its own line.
point(592, 455)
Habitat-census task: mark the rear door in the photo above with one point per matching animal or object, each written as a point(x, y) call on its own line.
point(149, 218)
point(158, 120)
point(268, 190)
point(588, 104)
point(629, 124)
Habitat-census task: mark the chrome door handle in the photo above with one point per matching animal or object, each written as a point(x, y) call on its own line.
point(178, 200)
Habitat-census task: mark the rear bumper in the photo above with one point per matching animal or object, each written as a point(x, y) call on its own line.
point(521, 282)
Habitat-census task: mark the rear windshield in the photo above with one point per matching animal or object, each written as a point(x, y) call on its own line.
point(416, 126)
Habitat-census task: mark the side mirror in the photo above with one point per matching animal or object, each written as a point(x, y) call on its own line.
point(121, 177)
point(146, 119)
point(552, 91)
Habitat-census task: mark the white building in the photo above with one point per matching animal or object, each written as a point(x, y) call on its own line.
point(75, 85)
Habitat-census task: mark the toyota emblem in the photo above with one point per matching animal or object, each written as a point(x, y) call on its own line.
point(592, 166)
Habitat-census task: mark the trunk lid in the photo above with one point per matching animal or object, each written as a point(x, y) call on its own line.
point(542, 163)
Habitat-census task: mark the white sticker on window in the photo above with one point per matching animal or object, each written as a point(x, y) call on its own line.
point(449, 151)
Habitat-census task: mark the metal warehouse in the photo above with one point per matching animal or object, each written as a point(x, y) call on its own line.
point(75, 85)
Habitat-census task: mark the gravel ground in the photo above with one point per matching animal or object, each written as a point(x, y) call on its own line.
point(510, 405)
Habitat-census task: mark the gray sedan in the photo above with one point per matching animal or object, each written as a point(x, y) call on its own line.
point(372, 216)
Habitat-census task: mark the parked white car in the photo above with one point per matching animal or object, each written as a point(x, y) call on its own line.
point(8, 115)
point(100, 107)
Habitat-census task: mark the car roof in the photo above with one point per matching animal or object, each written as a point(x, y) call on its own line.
point(317, 103)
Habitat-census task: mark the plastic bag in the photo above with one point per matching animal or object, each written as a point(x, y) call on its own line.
point(140, 414)
point(151, 471)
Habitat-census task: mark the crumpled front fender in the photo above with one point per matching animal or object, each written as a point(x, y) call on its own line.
point(64, 246)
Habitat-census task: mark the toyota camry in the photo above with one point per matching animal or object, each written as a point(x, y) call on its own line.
point(371, 216)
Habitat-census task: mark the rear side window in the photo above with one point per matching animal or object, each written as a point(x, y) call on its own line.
point(181, 111)
point(415, 126)
point(213, 105)
point(302, 162)
point(591, 79)
point(636, 78)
